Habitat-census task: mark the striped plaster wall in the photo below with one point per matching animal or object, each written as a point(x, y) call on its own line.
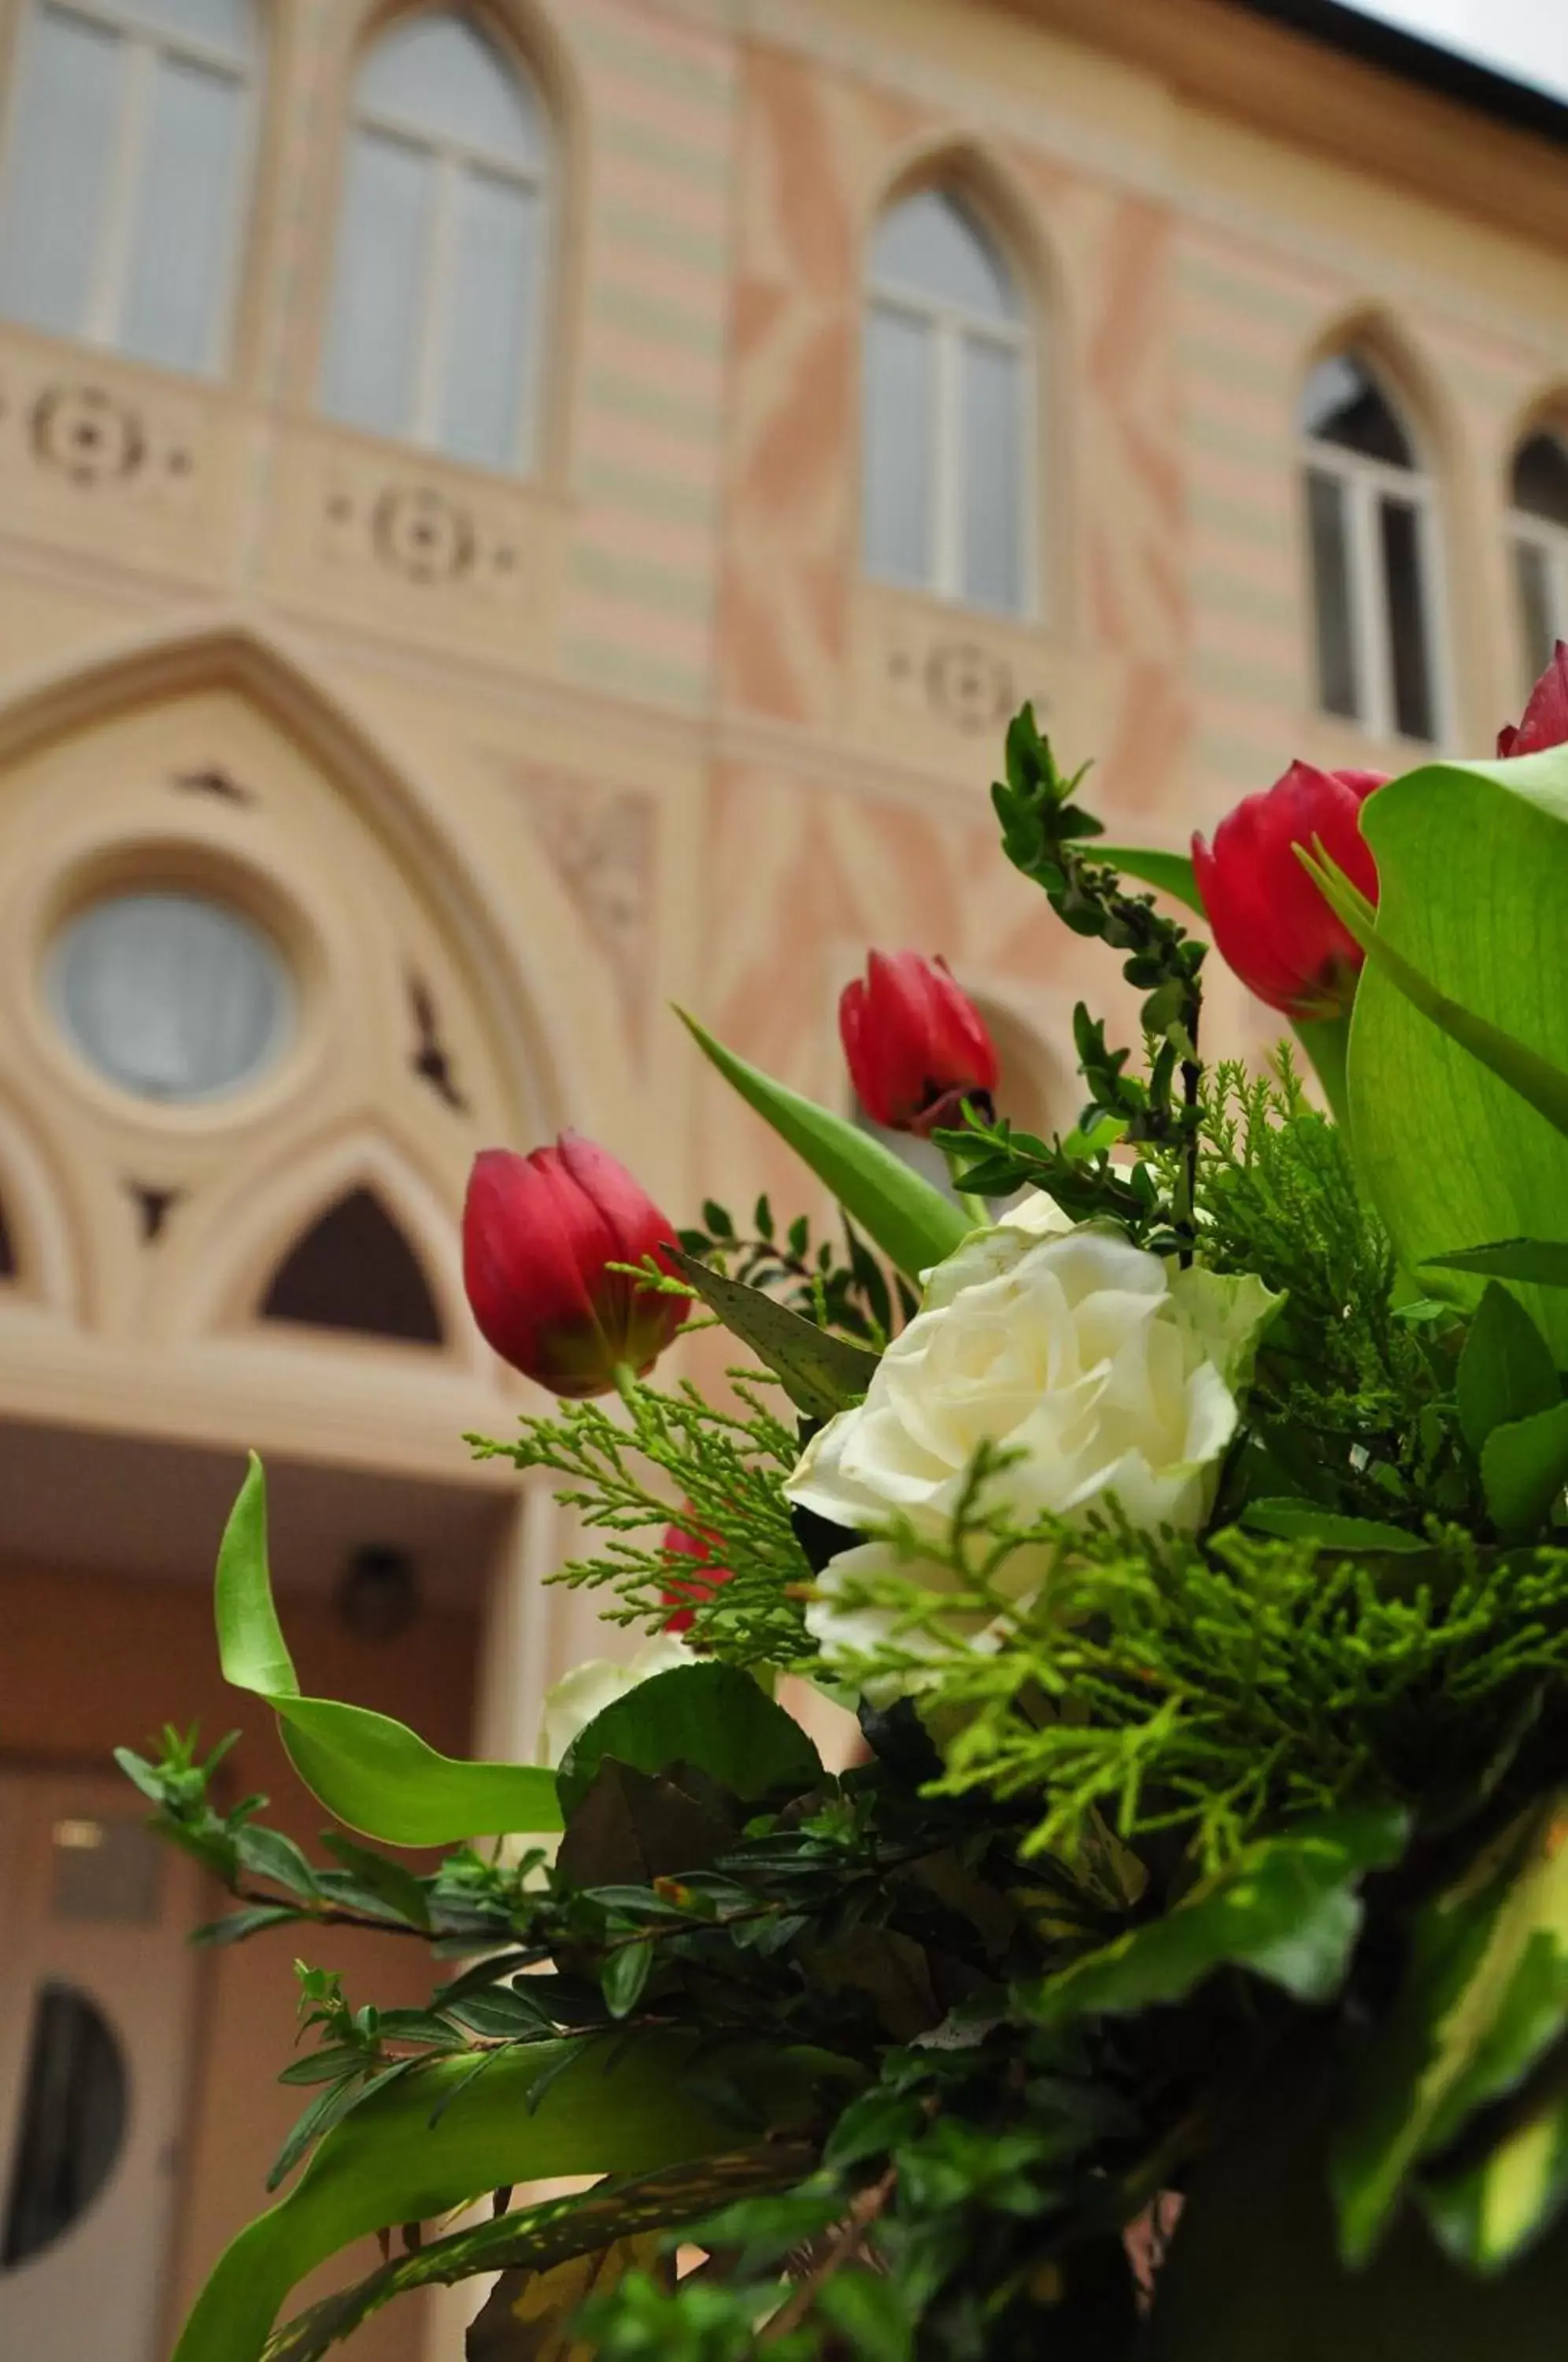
point(648, 423)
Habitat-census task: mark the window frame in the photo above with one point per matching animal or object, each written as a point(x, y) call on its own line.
point(951, 326)
point(450, 159)
point(1527, 527)
point(1365, 483)
point(145, 44)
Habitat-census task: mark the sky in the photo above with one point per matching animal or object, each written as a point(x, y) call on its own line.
point(1526, 38)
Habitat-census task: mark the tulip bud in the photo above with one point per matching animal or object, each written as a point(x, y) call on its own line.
point(1544, 721)
point(1270, 922)
point(698, 1543)
point(916, 1046)
point(540, 1234)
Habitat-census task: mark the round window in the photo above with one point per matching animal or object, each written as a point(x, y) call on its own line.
point(172, 995)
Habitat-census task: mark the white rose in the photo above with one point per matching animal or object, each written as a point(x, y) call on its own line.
point(589, 1688)
point(1112, 1372)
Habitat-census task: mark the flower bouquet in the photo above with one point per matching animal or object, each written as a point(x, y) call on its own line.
point(1181, 1971)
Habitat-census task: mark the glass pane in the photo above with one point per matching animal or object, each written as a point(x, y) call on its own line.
point(1538, 608)
point(72, 2123)
point(62, 139)
point(186, 216)
point(896, 447)
point(492, 304)
point(1343, 403)
point(1329, 543)
point(994, 475)
point(1400, 527)
point(106, 1869)
point(933, 245)
point(439, 74)
point(226, 24)
point(1541, 479)
point(170, 996)
point(374, 330)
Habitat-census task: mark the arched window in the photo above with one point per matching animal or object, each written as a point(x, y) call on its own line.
point(947, 410)
point(1540, 524)
point(354, 1270)
point(433, 332)
point(127, 171)
point(1373, 554)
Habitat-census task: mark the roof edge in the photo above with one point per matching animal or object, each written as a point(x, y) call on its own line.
point(1448, 73)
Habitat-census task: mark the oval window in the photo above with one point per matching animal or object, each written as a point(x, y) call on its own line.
point(171, 994)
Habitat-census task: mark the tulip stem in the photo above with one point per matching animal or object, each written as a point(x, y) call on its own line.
point(1326, 1041)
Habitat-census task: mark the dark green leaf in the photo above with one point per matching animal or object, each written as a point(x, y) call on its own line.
point(707, 1715)
point(1523, 1469)
point(238, 1925)
point(821, 1373)
point(1485, 1993)
point(1286, 1908)
point(270, 1854)
point(329, 2108)
point(624, 1974)
point(871, 2312)
point(1304, 1521)
point(145, 1775)
point(1505, 1372)
point(388, 1880)
point(1535, 1263)
point(1169, 873)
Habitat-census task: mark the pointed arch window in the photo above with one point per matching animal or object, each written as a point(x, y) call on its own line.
point(354, 1271)
point(1539, 528)
point(949, 400)
point(437, 308)
point(127, 173)
point(1373, 554)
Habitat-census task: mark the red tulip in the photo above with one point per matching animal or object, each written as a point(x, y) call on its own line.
point(698, 1543)
point(1270, 922)
point(1544, 721)
point(916, 1045)
point(540, 1233)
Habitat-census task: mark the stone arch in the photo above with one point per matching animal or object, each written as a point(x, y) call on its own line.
point(41, 1258)
point(1415, 382)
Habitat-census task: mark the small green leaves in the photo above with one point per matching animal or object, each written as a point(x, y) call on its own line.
point(1505, 1372)
point(820, 1373)
point(709, 1716)
point(624, 1974)
point(1487, 1993)
point(913, 1222)
point(371, 1771)
point(1286, 1908)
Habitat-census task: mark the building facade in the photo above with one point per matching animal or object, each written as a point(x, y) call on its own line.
point(517, 515)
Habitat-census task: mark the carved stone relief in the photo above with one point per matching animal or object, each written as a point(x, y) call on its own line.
point(601, 844)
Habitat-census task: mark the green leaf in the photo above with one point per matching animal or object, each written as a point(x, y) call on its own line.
point(1505, 1372)
point(1304, 1521)
point(388, 2163)
point(529, 2315)
point(1286, 1908)
point(1485, 1994)
point(624, 1974)
point(1169, 873)
point(1543, 1262)
point(1485, 2213)
point(821, 1373)
point(267, 1853)
point(536, 2237)
point(872, 2311)
point(389, 1882)
point(913, 1223)
point(1473, 863)
point(238, 1925)
point(1524, 1467)
point(373, 1773)
point(709, 1716)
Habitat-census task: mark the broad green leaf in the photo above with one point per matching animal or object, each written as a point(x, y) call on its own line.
point(1170, 873)
point(1543, 1262)
point(624, 1974)
point(536, 2237)
point(387, 2162)
point(1304, 1521)
point(913, 1223)
point(1485, 1995)
point(1524, 1467)
point(821, 1373)
point(709, 1716)
point(1473, 863)
point(871, 2312)
point(1486, 2214)
point(1505, 1372)
point(373, 1773)
point(1286, 1908)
